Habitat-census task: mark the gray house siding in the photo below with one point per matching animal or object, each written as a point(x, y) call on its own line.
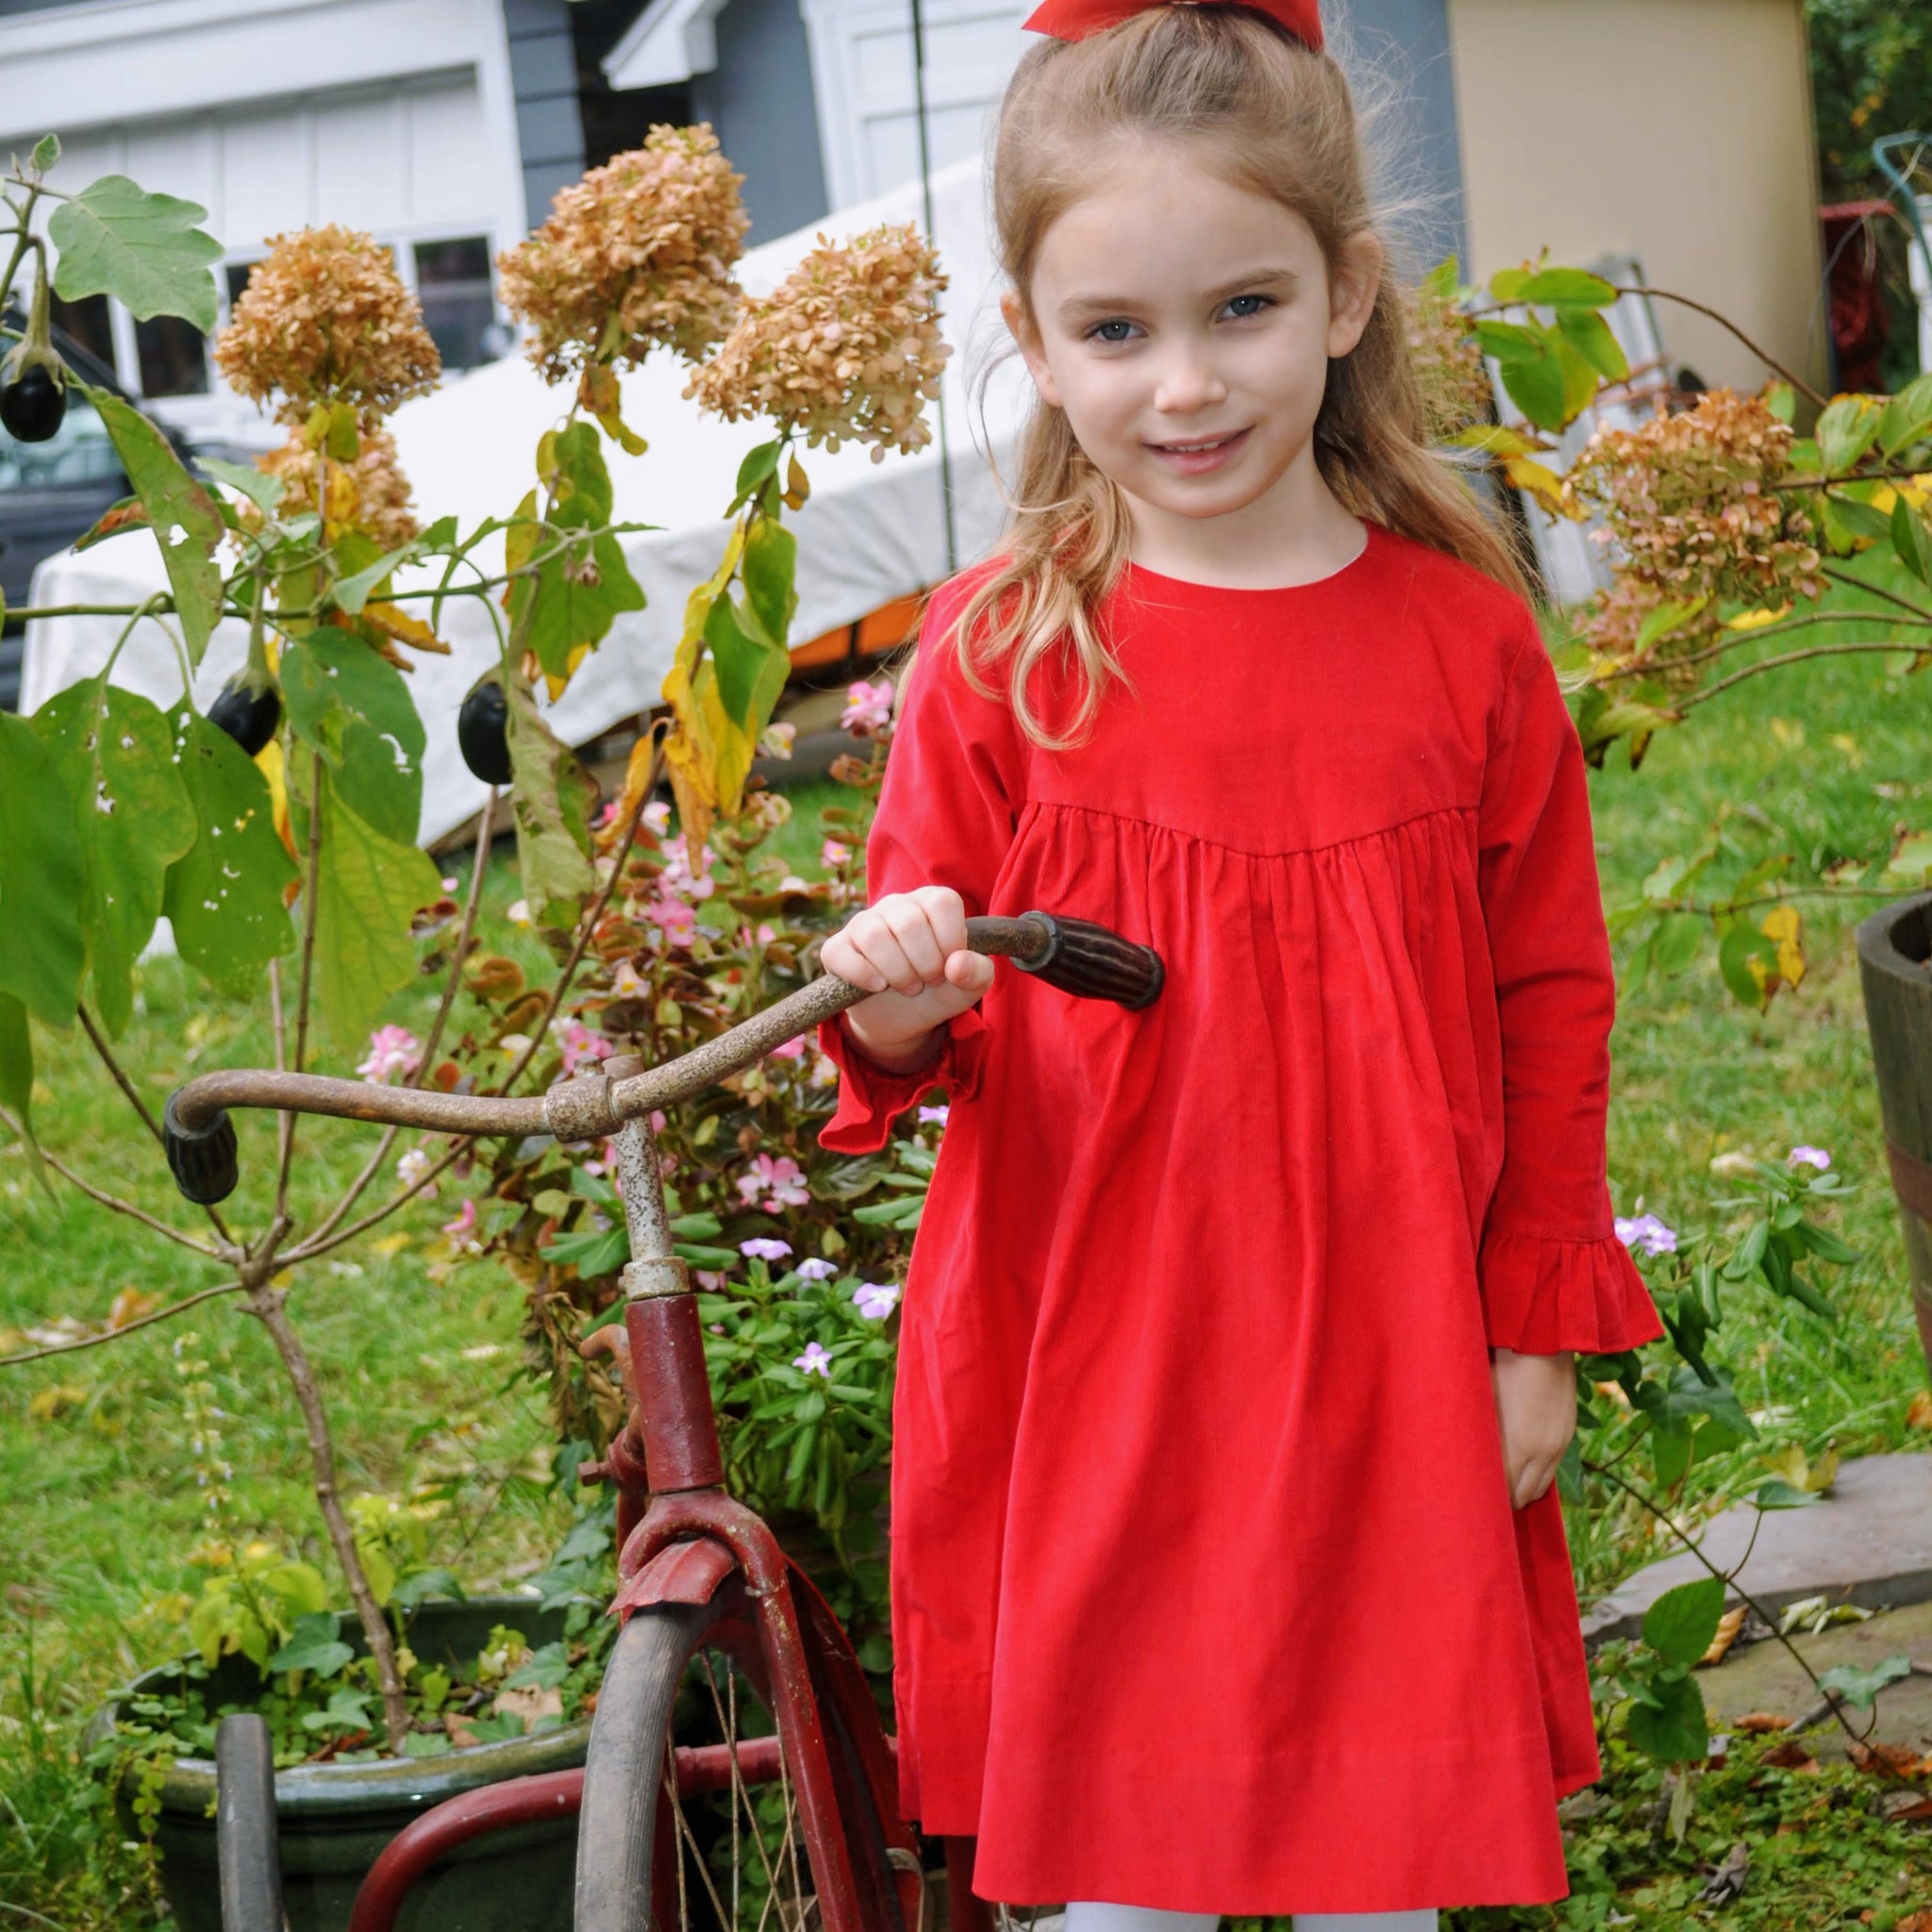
point(760, 100)
point(1403, 45)
point(544, 75)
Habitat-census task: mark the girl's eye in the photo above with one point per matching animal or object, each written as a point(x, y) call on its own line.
point(1097, 333)
point(1261, 302)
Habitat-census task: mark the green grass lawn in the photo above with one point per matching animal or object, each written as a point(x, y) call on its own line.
point(420, 1358)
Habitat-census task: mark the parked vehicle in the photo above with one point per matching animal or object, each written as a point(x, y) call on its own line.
point(53, 492)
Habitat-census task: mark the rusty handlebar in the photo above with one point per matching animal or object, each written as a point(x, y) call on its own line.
point(1079, 958)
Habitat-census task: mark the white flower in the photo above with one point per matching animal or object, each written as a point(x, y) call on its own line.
point(412, 1167)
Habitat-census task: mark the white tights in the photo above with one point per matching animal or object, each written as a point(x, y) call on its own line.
point(1088, 1915)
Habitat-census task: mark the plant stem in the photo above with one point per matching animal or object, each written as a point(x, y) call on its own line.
point(1757, 670)
point(266, 1304)
point(481, 864)
point(126, 1328)
point(1769, 362)
point(314, 872)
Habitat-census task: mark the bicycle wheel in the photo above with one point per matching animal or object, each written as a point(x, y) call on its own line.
point(247, 1845)
point(708, 1838)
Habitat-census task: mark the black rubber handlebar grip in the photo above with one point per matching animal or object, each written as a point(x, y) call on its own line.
point(203, 1162)
point(1094, 963)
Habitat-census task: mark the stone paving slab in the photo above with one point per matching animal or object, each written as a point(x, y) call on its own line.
point(1868, 1542)
point(1764, 1676)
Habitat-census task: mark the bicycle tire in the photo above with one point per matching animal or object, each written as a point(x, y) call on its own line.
point(624, 1770)
point(247, 1843)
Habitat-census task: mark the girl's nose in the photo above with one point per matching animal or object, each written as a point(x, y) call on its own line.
point(1188, 382)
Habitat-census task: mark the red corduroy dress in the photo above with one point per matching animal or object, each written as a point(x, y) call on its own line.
point(1206, 1590)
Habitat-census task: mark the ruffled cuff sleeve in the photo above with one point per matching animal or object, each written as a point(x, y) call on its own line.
point(872, 1097)
point(1543, 1294)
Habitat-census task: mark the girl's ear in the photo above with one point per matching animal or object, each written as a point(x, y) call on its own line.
point(1032, 352)
point(1352, 285)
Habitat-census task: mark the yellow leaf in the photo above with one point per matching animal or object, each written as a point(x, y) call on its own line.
point(554, 684)
point(269, 762)
point(797, 490)
point(621, 433)
point(1542, 483)
point(1753, 619)
point(55, 1401)
point(130, 1304)
point(406, 629)
point(1783, 926)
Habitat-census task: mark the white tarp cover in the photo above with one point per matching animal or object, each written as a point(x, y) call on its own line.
point(871, 532)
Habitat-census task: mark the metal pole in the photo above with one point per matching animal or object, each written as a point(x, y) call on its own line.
point(932, 237)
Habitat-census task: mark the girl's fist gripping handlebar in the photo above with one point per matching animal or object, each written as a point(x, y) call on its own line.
point(910, 952)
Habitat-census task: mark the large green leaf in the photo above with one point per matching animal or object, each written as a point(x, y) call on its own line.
point(352, 704)
point(43, 952)
point(769, 569)
point(550, 798)
point(1682, 1622)
point(223, 894)
point(738, 655)
point(187, 524)
point(134, 820)
point(116, 239)
point(17, 1070)
point(367, 889)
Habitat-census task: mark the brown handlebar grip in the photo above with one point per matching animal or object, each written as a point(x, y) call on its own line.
point(203, 1160)
point(1094, 963)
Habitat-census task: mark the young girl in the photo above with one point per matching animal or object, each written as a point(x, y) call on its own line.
point(1238, 1341)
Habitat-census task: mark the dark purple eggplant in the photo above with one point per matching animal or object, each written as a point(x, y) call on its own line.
point(483, 733)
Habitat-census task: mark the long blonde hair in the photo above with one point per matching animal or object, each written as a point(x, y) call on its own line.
point(1269, 114)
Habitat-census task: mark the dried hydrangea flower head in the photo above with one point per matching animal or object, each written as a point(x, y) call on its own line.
point(325, 319)
point(635, 255)
point(1690, 500)
point(847, 349)
point(370, 494)
point(1448, 363)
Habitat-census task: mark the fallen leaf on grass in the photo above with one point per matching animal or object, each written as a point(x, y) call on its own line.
point(1727, 1627)
point(1790, 1756)
point(1761, 1721)
point(130, 1304)
point(49, 1403)
point(1895, 1808)
point(1919, 1410)
point(1888, 1760)
point(459, 1732)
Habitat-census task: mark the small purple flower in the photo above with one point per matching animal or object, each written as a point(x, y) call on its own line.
point(816, 1361)
point(1808, 1156)
point(875, 1300)
point(763, 1248)
point(934, 1115)
point(816, 1270)
point(1644, 1234)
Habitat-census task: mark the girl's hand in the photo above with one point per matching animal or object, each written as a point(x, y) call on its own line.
point(910, 951)
point(1536, 1405)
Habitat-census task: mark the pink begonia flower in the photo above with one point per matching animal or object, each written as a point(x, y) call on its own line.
point(463, 1227)
point(763, 1248)
point(392, 1050)
point(1808, 1156)
point(773, 1185)
point(674, 919)
point(816, 1361)
point(628, 983)
point(790, 1050)
point(1644, 1234)
point(608, 815)
point(875, 1300)
point(935, 1116)
point(712, 1278)
point(831, 853)
point(816, 1270)
point(868, 708)
point(581, 1044)
point(678, 880)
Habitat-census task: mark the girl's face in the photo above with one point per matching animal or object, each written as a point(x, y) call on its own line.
point(1184, 325)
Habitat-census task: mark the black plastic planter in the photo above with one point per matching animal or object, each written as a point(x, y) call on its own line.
point(1896, 964)
point(334, 1819)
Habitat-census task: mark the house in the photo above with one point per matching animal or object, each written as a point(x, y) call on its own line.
point(1677, 131)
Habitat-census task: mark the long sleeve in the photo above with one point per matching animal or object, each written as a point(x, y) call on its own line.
point(947, 811)
point(1553, 1274)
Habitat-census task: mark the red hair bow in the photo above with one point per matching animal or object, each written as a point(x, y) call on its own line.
point(1073, 20)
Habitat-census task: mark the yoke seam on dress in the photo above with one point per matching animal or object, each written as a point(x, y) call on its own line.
point(1439, 811)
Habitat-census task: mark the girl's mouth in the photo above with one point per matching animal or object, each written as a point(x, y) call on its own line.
point(1199, 452)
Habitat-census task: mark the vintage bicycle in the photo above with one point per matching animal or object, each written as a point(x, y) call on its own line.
point(710, 1606)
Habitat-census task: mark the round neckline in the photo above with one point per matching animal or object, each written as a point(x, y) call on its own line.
point(1370, 533)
